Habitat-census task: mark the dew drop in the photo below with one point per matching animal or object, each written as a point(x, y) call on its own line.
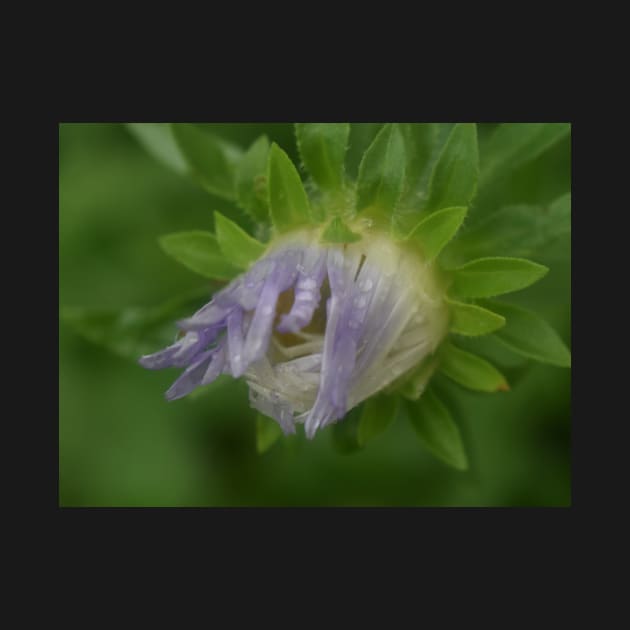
point(267, 310)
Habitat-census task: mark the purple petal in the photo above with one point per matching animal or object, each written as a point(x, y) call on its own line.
point(190, 378)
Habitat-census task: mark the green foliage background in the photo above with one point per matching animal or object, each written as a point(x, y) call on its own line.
point(122, 444)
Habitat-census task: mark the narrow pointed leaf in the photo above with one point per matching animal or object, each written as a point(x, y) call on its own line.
point(472, 320)
point(268, 432)
point(437, 430)
point(338, 232)
point(134, 331)
point(436, 230)
point(211, 159)
point(414, 384)
point(251, 180)
point(158, 140)
point(470, 370)
point(288, 202)
point(513, 144)
point(454, 178)
point(487, 277)
point(239, 248)
point(322, 147)
point(419, 140)
point(361, 137)
point(530, 336)
point(200, 252)
point(381, 172)
point(377, 414)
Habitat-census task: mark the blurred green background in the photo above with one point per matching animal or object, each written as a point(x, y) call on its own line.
point(122, 444)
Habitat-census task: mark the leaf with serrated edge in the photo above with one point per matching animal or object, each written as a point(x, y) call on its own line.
point(381, 172)
point(487, 277)
point(454, 178)
point(378, 413)
point(288, 202)
point(472, 320)
point(238, 247)
point(436, 230)
point(268, 432)
point(436, 428)
point(529, 335)
point(470, 370)
point(198, 251)
point(322, 147)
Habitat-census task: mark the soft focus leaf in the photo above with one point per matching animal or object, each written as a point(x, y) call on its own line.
point(472, 320)
point(434, 425)
point(345, 432)
point(436, 230)
point(251, 180)
point(470, 370)
point(211, 159)
point(381, 172)
point(531, 336)
point(268, 432)
point(487, 277)
point(322, 147)
point(200, 252)
point(239, 248)
point(158, 140)
point(134, 331)
point(378, 413)
point(288, 202)
point(338, 232)
point(513, 144)
point(454, 178)
point(521, 230)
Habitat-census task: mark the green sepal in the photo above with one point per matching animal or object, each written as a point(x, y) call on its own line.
point(338, 232)
point(472, 320)
point(250, 180)
point(377, 414)
point(470, 370)
point(454, 178)
point(436, 429)
point(322, 147)
point(211, 159)
point(288, 203)
point(487, 277)
point(529, 335)
point(413, 384)
point(433, 232)
point(239, 248)
point(158, 140)
point(199, 251)
point(381, 173)
point(268, 432)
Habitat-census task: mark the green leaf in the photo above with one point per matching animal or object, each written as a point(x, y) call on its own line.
point(434, 425)
point(251, 180)
point(268, 432)
point(473, 320)
point(345, 432)
point(322, 147)
point(436, 230)
point(361, 137)
point(211, 159)
point(200, 252)
point(454, 178)
point(135, 331)
point(158, 140)
point(288, 202)
point(487, 277)
point(338, 232)
point(521, 230)
point(382, 171)
point(377, 414)
point(412, 385)
point(239, 248)
point(531, 336)
point(470, 370)
point(513, 144)
point(419, 140)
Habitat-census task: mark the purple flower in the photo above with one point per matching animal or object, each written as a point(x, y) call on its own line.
point(314, 329)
